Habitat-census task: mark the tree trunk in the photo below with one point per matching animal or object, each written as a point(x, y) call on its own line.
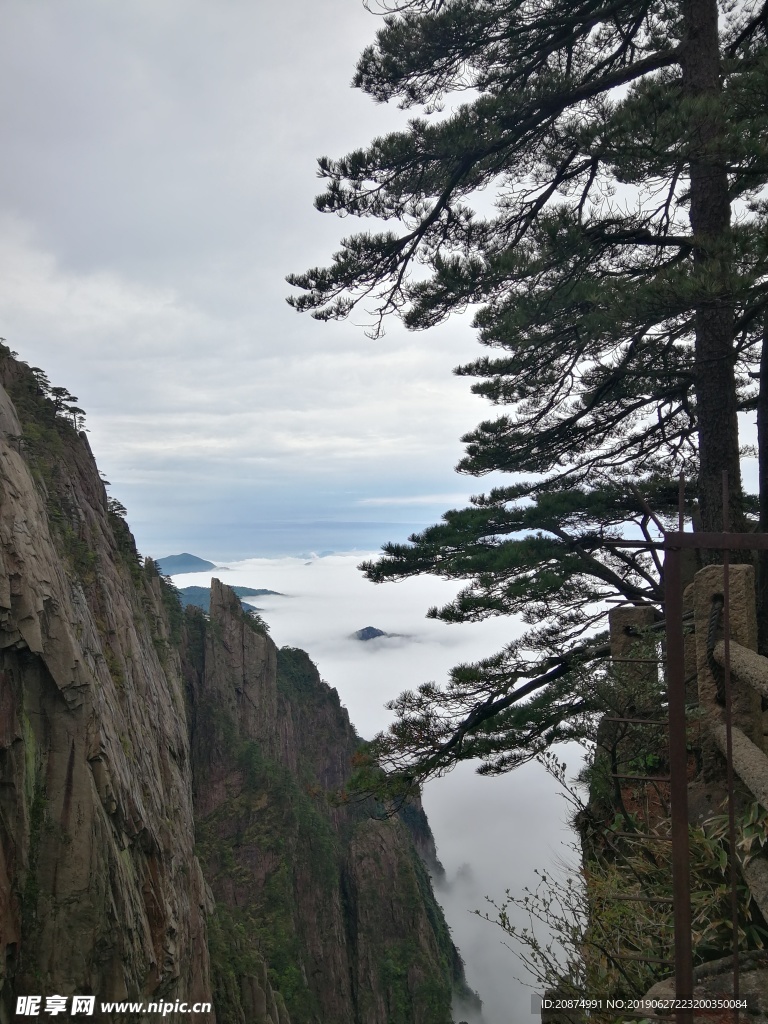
point(710, 214)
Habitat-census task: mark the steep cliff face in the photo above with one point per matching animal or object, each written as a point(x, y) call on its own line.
point(135, 740)
point(338, 903)
point(100, 888)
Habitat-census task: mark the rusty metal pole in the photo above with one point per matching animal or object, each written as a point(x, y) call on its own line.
point(678, 770)
point(732, 868)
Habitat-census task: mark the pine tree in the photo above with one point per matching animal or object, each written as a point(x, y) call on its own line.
point(622, 297)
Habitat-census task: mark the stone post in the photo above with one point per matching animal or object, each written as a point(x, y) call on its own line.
point(641, 680)
point(624, 624)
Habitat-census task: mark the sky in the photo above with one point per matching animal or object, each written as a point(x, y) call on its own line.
point(492, 834)
point(157, 185)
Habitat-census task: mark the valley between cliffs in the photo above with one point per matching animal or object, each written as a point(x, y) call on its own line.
point(168, 822)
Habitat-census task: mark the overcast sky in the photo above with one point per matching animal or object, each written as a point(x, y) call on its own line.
point(156, 187)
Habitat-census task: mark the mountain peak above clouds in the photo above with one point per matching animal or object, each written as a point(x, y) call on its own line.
point(174, 565)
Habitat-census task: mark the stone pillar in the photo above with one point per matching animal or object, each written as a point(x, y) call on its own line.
point(624, 623)
point(635, 696)
point(747, 714)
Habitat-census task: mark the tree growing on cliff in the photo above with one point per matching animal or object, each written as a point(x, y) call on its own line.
point(623, 300)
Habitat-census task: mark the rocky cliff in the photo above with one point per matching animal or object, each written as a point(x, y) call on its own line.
point(100, 888)
point(168, 825)
point(339, 903)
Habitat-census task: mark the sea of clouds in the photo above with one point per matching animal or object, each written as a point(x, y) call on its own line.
point(491, 833)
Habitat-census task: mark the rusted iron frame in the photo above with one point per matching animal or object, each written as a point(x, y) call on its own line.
point(678, 770)
point(673, 544)
point(643, 778)
point(636, 721)
point(638, 661)
point(648, 837)
point(641, 958)
point(677, 540)
point(643, 899)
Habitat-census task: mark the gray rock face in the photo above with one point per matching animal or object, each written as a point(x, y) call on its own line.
point(100, 888)
point(356, 919)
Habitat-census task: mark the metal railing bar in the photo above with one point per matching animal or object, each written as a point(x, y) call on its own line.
point(643, 778)
point(637, 721)
point(639, 661)
point(642, 899)
point(642, 835)
point(637, 956)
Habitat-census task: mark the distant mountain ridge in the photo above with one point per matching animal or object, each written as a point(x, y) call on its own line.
point(173, 565)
